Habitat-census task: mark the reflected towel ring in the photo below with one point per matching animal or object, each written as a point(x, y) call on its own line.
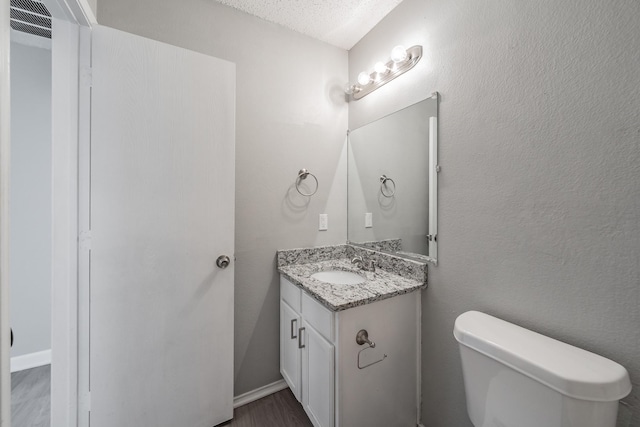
point(383, 185)
point(302, 175)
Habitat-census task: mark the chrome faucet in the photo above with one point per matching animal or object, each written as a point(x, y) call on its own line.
point(359, 263)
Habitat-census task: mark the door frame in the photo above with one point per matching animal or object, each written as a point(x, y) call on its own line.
point(70, 17)
point(5, 340)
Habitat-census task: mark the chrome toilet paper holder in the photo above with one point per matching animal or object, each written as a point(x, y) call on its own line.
point(362, 337)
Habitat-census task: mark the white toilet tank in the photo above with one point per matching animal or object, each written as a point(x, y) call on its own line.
point(515, 377)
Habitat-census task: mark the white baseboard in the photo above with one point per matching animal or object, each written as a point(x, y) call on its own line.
point(31, 360)
point(259, 393)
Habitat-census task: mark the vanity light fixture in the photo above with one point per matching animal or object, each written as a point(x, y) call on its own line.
point(401, 61)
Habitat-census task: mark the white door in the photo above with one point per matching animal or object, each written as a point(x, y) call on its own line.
point(162, 211)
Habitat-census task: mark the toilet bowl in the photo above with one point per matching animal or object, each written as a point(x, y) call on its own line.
point(515, 377)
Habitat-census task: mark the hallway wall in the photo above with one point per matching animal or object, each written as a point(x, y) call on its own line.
point(30, 192)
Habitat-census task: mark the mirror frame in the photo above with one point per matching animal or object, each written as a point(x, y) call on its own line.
point(434, 169)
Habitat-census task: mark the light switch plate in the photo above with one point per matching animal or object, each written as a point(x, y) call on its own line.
point(368, 220)
point(323, 223)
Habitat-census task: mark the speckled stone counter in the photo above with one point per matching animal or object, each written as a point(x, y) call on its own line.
point(393, 276)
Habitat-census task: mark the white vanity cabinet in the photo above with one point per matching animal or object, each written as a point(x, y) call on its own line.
point(307, 352)
point(319, 359)
point(317, 377)
point(290, 362)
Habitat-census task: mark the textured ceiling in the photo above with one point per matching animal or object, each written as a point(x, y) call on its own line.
point(341, 23)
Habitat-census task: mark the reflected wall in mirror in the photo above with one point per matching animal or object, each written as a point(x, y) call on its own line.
point(392, 182)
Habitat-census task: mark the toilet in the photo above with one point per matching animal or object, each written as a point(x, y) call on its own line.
point(515, 377)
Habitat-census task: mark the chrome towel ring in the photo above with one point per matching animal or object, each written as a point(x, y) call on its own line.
point(383, 185)
point(302, 175)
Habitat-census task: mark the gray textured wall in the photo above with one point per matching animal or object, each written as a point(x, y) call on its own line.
point(291, 114)
point(30, 232)
point(540, 184)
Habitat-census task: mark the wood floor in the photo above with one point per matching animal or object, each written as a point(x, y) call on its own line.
point(31, 397)
point(31, 404)
point(280, 409)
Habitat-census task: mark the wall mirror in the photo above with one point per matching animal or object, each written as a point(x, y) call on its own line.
point(392, 171)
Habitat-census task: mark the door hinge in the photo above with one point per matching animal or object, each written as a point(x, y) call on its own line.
point(86, 76)
point(85, 402)
point(84, 240)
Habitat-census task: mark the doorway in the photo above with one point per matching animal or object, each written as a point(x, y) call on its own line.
point(30, 209)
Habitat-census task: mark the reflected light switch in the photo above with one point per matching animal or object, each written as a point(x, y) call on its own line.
point(368, 220)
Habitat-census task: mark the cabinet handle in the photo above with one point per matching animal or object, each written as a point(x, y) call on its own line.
point(293, 335)
point(300, 345)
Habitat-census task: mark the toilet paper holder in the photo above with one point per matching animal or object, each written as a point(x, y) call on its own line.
point(362, 337)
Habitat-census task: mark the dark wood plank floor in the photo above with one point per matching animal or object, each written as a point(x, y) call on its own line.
point(31, 404)
point(280, 409)
point(31, 397)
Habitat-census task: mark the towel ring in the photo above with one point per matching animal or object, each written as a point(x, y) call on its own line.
point(302, 175)
point(383, 185)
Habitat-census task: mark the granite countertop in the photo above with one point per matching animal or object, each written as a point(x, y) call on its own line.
point(379, 285)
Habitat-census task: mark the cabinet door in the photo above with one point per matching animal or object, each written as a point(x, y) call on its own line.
point(290, 354)
point(317, 377)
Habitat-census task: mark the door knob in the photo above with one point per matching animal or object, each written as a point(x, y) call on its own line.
point(223, 261)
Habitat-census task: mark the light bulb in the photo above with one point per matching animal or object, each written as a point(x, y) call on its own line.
point(398, 54)
point(364, 78)
point(380, 68)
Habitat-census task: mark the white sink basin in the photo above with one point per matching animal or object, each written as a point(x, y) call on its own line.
point(339, 277)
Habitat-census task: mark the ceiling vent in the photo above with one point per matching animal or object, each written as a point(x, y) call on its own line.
point(31, 16)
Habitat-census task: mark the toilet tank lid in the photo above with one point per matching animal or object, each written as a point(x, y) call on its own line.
point(569, 370)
